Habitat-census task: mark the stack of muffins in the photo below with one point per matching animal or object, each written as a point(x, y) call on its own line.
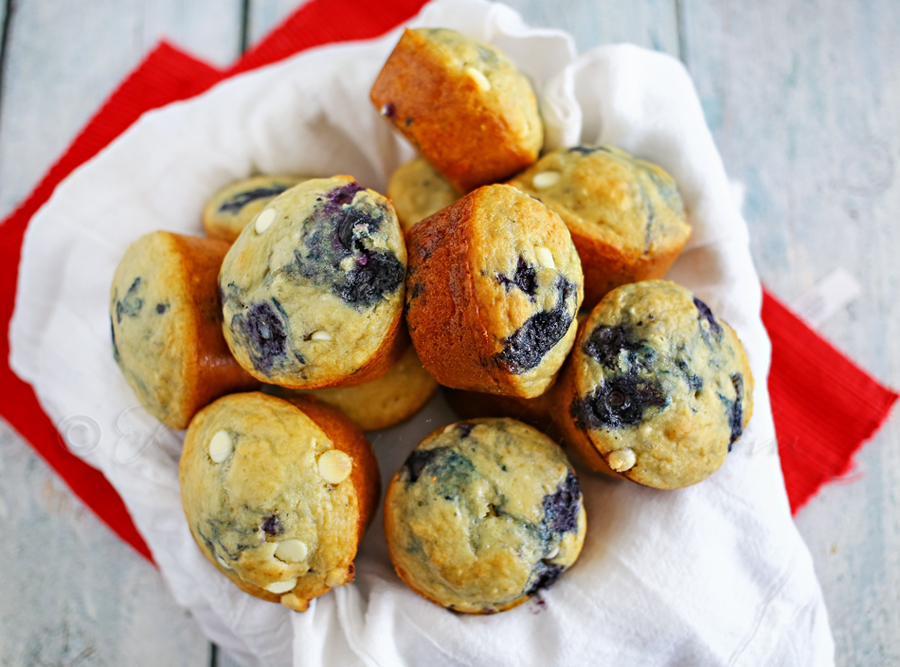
point(336, 310)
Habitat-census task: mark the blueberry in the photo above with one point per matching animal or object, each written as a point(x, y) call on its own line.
point(264, 333)
point(419, 460)
point(606, 343)
point(449, 468)
point(409, 121)
point(161, 308)
point(344, 194)
point(694, 381)
point(241, 199)
point(619, 401)
point(130, 304)
point(346, 223)
point(587, 150)
point(375, 275)
point(546, 575)
point(525, 348)
point(112, 329)
point(465, 429)
point(561, 508)
point(736, 414)
point(487, 56)
point(525, 278)
point(338, 231)
point(272, 525)
point(706, 314)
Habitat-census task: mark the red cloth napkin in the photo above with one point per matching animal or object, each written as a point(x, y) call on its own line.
point(819, 423)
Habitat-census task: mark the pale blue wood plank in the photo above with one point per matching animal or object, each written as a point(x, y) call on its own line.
point(73, 593)
point(803, 100)
point(63, 59)
point(649, 23)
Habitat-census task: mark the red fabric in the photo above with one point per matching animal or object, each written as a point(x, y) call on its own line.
point(816, 437)
point(824, 405)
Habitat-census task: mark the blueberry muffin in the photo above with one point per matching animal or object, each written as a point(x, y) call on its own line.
point(625, 215)
point(312, 290)
point(483, 515)
point(167, 326)
point(417, 190)
point(462, 104)
point(232, 207)
point(657, 387)
point(381, 403)
point(277, 494)
point(494, 286)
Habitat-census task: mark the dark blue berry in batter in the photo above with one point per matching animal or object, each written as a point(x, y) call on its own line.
point(547, 574)
point(264, 330)
point(131, 303)
point(272, 525)
point(561, 508)
point(419, 460)
point(606, 343)
point(524, 349)
point(619, 401)
point(525, 278)
point(736, 414)
point(706, 313)
point(241, 199)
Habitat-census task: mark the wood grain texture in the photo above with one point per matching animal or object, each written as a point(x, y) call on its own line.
point(73, 593)
point(63, 60)
point(804, 101)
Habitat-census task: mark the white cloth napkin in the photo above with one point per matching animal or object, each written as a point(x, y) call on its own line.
point(715, 574)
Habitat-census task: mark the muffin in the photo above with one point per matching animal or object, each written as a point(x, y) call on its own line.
point(462, 104)
point(312, 290)
point(417, 191)
point(167, 327)
point(625, 215)
point(657, 387)
point(278, 494)
point(494, 286)
point(232, 207)
point(483, 515)
point(383, 402)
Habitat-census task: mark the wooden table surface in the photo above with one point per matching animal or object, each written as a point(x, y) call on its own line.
point(803, 98)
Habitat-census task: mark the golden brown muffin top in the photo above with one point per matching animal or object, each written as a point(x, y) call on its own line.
point(663, 388)
point(604, 193)
point(483, 514)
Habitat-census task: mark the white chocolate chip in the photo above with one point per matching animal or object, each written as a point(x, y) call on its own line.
point(545, 179)
point(545, 257)
point(221, 561)
point(264, 220)
point(479, 78)
point(622, 460)
point(266, 550)
point(449, 428)
point(336, 577)
point(281, 586)
point(291, 551)
point(321, 335)
point(335, 466)
point(293, 601)
point(220, 446)
point(553, 554)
